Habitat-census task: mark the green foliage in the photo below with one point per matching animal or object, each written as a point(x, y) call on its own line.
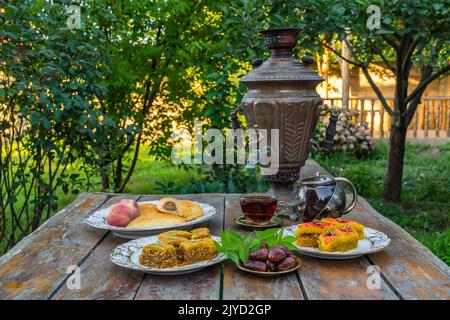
point(47, 80)
point(237, 247)
point(223, 179)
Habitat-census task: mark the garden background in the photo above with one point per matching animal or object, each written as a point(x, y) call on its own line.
point(93, 108)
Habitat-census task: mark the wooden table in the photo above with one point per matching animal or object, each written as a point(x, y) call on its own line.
point(37, 267)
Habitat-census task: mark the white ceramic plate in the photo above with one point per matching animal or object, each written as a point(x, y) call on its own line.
point(98, 220)
point(127, 255)
point(375, 241)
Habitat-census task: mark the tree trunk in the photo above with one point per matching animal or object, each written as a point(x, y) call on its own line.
point(394, 175)
point(105, 181)
point(345, 75)
point(118, 174)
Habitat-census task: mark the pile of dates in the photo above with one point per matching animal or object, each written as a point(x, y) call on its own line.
point(279, 258)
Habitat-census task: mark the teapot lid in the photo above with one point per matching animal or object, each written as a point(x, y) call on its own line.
point(318, 180)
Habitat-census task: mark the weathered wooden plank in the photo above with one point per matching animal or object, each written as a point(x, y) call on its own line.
point(241, 285)
point(40, 265)
point(341, 280)
point(409, 270)
point(406, 236)
point(410, 267)
point(203, 284)
point(100, 278)
point(81, 199)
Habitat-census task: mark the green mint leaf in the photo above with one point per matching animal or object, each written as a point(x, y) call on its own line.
point(233, 257)
point(290, 239)
point(266, 233)
point(243, 254)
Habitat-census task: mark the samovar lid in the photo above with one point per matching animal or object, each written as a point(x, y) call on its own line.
point(281, 65)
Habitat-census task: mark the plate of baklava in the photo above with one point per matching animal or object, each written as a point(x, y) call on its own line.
point(170, 253)
point(337, 239)
point(130, 219)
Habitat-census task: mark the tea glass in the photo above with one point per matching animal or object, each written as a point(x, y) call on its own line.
point(261, 208)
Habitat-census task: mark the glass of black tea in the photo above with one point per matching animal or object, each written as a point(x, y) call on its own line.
point(259, 208)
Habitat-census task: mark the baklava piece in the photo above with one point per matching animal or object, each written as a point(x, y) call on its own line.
point(159, 255)
point(200, 233)
point(198, 250)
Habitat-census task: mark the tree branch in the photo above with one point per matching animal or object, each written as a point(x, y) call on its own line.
point(380, 53)
point(365, 69)
point(390, 41)
point(377, 91)
point(355, 63)
point(425, 72)
point(423, 84)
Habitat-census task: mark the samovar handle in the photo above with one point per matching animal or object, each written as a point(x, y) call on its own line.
point(331, 131)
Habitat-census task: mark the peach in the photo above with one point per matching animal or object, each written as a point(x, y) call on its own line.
point(119, 215)
point(135, 210)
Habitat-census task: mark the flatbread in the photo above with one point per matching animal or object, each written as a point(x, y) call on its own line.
point(148, 208)
point(189, 210)
point(155, 220)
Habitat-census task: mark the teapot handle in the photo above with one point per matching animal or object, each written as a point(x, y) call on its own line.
point(354, 194)
point(283, 208)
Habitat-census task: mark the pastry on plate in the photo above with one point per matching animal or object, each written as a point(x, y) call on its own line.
point(173, 249)
point(155, 220)
point(168, 205)
point(359, 228)
point(307, 233)
point(189, 210)
point(200, 233)
point(341, 239)
point(173, 240)
point(148, 208)
point(197, 250)
point(175, 233)
point(157, 255)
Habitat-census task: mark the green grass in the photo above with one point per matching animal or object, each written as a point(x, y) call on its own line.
point(425, 209)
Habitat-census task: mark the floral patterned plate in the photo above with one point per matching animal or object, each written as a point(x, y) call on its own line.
point(98, 220)
point(375, 241)
point(127, 255)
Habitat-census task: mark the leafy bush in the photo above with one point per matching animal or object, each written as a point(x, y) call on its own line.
point(217, 179)
point(350, 137)
point(47, 79)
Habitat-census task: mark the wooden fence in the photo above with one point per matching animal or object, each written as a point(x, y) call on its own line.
point(431, 120)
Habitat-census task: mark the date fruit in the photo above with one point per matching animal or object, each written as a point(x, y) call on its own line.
point(260, 254)
point(272, 267)
point(284, 248)
point(276, 255)
point(286, 264)
point(255, 265)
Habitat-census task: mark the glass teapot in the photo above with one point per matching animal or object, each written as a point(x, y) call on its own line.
point(322, 196)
